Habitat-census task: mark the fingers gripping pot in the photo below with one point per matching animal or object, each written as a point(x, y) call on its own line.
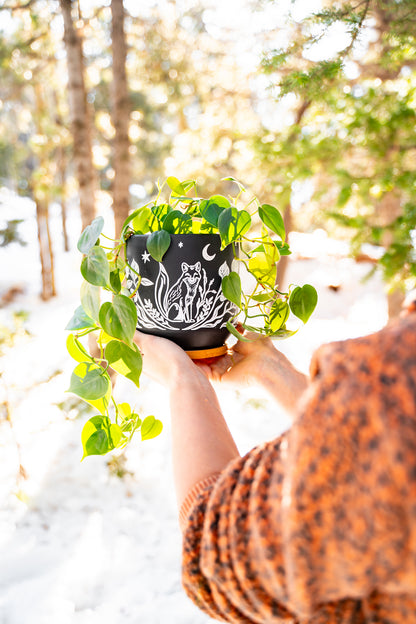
point(180, 297)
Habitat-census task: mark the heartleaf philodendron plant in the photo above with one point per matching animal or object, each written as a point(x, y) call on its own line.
point(261, 308)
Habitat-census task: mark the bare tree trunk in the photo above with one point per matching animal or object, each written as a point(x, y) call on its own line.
point(45, 250)
point(42, 212)
point(62, 182)
point(80, 119)
point(120, 113)
point(62, 171)
point(388, 210)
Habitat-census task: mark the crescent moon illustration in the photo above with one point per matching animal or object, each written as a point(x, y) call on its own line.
point(206, 255)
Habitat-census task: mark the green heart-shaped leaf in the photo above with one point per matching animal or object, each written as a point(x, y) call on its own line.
point(174, 184)
point(115, 281)
point(279, 313)
point(99, 436)
point(89, 381)
point(76, 350)
point(151, 427)
point(272, 218)
point(80, 320)
point(140, 223)
point(232, 224)
point(158, 243)
point(90, 235)
point(303, 301)
point(119, 318)
point(231, 287)
point(158, 215)
point(212, 208)
point(263, 269)
point(95, 268)
point(176, 222)
point(102, 403)
point(233, 330)
point(261, 297)
point(124, 360)
point(90, 299)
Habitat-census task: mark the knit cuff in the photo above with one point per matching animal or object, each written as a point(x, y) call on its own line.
point(192, 496)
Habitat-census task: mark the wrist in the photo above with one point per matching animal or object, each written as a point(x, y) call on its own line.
point(268, 364)
point(183, 373)
point(277, 375)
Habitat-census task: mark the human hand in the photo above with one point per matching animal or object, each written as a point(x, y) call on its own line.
point(259, 363)
point(163, 360)
point(244, 362)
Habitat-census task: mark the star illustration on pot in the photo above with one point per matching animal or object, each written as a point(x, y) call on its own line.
point(180, 244)
point(146, 257)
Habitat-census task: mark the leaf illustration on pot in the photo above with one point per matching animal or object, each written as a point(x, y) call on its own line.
point(223, 270)
point(146, 282)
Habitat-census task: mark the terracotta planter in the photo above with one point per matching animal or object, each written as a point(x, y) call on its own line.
point(180, 298)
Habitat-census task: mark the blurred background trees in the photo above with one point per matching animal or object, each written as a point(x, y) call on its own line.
point(99, 100)
point(350, 68)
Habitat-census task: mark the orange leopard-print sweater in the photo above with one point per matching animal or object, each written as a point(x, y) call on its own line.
point(319, 525)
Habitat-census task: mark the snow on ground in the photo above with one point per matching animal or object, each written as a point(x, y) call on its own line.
point(79, 545)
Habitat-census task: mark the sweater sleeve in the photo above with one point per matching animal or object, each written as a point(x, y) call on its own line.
point(231, 569)
point(325, 514)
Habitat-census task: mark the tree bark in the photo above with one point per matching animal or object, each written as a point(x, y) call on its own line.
point(80, 118)
point(388, 210)
point(62, 182)
point(62, 173)
point(120, 113)
point(45, 250)
point(42, 211)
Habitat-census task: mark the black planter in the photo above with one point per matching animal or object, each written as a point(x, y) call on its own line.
point(180, 298)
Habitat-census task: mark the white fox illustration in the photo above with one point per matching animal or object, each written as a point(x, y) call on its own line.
point(192, 299)
point(182, 296)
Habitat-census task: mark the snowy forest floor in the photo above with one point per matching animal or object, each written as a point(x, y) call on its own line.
point(79, 544)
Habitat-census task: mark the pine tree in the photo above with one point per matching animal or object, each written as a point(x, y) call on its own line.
point(356, 142)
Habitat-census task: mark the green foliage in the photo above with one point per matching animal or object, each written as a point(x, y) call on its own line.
point(303, 301)
point(151, 428)
point(272, 219)
point(231, 287)
point(89, 381)
point(158, 243)
point(279, 313)
point(100, 435)
point(354, 132)
point(95, 268)
point(212, 208)
point(80, 320)
point(124, 360)
point(90, 235)
point(232, 225)
point(119, 318)
point(10, 234)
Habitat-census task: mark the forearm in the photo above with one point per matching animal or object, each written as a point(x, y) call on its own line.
point(201, 441)
point(281, 380)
